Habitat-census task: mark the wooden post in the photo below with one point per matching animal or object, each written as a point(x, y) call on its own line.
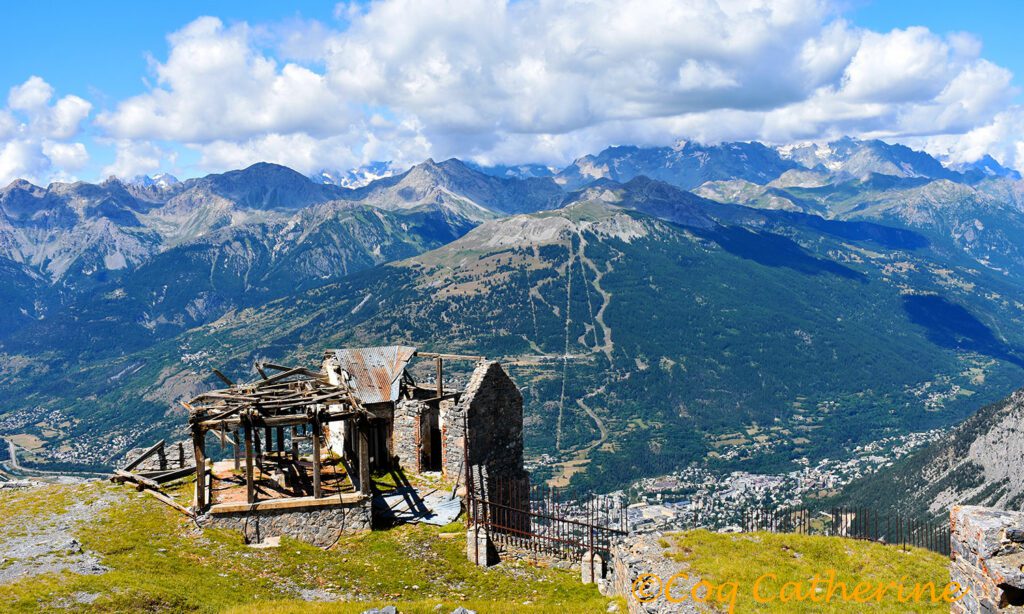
point(236, 448)
point(268, 441)
point(364, 456)
point(316, 458)
point(250, 487)
point(258, 453)
point(440, 378)
point(199, 446)
point(280, 441)
point(295, 444)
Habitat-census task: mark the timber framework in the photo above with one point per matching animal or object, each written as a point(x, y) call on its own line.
point(299, 447)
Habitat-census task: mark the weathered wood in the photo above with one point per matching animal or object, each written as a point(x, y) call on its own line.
point(260, 370)
point(440, 377)
point(223, 377)
point(448, 356)
point(120, 475)
point(167, 475)
point(348, 498)
point(149, 452)
point(236, 449)
point(199, 444)
point(295, 443)
point(280, 440)
point(159, 496)
point(316, 460)
point(363, 430)
point(250, 487)
point(284, 420)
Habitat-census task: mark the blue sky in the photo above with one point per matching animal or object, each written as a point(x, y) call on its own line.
point(128, 87)
point(996, 23)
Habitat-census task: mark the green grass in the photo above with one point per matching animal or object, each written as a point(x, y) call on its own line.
point(743, 559)
point(159, 561)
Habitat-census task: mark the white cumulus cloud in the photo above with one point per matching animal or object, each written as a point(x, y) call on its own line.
point(546, 80)
point(37, 136)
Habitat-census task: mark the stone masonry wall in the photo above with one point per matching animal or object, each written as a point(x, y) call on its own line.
point(987, 559)
point(640, 555)
point(405, 435)
point(319, 526)
point(494, 407)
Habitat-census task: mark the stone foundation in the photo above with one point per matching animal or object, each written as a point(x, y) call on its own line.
point(320, 526)
point(987, 558)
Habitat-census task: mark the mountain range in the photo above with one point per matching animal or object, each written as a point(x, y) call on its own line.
point(804, 298)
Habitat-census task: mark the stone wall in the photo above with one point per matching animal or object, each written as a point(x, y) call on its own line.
point(320, 526)
point(987, 557)
point(405, 435)
point(493, 408)
point(638, 555)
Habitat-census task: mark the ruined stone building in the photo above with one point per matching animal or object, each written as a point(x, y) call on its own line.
point(422, 428)
point(306, 443)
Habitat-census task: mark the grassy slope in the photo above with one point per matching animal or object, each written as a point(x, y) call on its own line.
point(159, 562)
point(744, 558)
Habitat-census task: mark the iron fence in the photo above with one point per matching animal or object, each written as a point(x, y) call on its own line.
point(544, 520)
point(852, 522)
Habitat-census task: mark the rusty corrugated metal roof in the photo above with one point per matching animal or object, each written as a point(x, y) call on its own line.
point(374, 373)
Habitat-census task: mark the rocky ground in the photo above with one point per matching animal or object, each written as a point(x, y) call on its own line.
point(43, 542)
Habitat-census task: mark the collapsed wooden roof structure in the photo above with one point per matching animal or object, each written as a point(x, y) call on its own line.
point(297, 399)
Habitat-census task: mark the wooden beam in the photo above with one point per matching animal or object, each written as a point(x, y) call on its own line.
point(199, 445)
point(280, 440)
point(224, 378)
point(127, 476)
point(166, 476)
point(237, 449)
point(340, 499)
point(448, 356)
point(286, 420)
point(149, 452)
point(440, 377)
point(295, 443)
point(250, 488)
point(363, 430)
point(317, 430)
point(159, 496)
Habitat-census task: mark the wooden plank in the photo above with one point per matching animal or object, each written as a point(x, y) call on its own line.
point(159, 496)
point(348, 498)
point(135, 463)
point(250, 487)
point(138, 479)
point(166, 476)
point(236, 449)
